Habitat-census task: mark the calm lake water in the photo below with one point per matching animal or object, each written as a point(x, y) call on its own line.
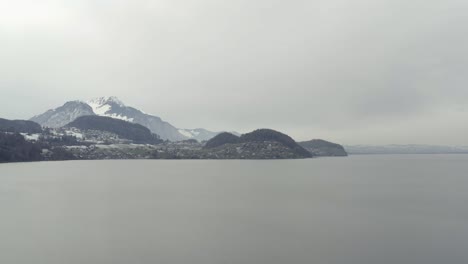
point(356, 210)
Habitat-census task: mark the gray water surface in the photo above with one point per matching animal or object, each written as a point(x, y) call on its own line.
point(356, 210)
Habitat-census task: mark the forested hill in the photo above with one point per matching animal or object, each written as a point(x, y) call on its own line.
point(19, 126)
point(322, 148)
point(124, 129)
point(258, 143)
point(260, 135)
point(221, 139)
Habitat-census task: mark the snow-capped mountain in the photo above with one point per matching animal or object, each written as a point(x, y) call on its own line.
point(106, 106)
point(113, 107)
point(63, 115)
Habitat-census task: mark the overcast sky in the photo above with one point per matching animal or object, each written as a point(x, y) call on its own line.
point(356, 72)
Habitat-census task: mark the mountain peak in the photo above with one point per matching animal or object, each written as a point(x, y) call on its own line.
point(100, 101)
point(63, 115)
point(101, 105)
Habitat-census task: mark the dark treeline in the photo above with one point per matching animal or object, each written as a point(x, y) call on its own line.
point(14, 148)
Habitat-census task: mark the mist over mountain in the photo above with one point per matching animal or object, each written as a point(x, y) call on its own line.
point(405, 149)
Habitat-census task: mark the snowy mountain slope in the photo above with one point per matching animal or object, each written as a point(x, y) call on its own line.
point(199, 134)
point(107, 106)
point(63, 115)
point(113, 107)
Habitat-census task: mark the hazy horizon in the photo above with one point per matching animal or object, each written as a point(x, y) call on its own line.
point(361, 72)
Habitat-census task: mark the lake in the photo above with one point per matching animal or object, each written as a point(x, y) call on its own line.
point(356, 210)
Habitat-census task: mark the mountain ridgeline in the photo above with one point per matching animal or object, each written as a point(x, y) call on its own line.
point(113, 107)
point(135, 132)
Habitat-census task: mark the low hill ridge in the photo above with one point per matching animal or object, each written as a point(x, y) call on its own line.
point(258, 143)
point(323, 148)
point(19, 126)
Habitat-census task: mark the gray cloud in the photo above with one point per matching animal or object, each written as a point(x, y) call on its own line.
point(366, 71)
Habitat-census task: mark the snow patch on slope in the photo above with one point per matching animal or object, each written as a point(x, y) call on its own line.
point(101, 107)
point(186, 133)
point(74, 134)
point(31, 137)
point(100, 110)
point(121, 117)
